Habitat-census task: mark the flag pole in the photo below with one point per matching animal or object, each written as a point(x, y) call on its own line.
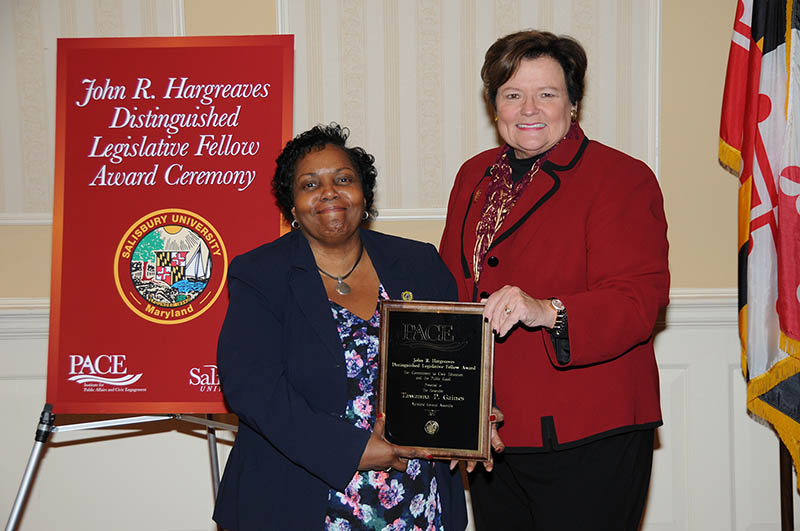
point(787, 510)
point(785, 466)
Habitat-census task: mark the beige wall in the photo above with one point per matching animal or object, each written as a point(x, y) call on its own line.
point(700, 197)
point(26, 261)
point(238, 17)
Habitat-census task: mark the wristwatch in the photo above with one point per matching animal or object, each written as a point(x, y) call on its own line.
point(561, 314)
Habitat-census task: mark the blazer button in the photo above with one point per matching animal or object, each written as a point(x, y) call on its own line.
point(484, 294)
point(493, 261)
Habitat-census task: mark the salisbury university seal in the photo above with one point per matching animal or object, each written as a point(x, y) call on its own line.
point(170, 266)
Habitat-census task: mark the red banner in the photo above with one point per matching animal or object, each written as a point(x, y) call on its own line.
point(165, 151)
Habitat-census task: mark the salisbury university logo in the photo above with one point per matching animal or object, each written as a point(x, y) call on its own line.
point(170, 266)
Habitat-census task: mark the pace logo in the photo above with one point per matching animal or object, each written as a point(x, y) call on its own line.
point(431, 335)
point(170, 266)
point(100, 370)
point(205, 378)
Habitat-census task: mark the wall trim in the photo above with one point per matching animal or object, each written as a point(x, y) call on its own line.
point(655, 89)
point(178, 18)
point(412, 214)
point(30, 317)
point(282, 17)
point(24, 318)
point(702, 308)
point(40, 218)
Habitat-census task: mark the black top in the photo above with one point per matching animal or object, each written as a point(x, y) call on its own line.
point(520, 167)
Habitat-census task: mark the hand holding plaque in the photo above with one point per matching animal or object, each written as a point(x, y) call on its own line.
point(435, 382)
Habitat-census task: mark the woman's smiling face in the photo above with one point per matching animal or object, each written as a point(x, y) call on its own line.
point(533, 107)
point(328, 200)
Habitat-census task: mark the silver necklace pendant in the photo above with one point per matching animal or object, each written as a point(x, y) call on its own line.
point(342, 288)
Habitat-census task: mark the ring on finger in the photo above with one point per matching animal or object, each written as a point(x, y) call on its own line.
point(507, 310)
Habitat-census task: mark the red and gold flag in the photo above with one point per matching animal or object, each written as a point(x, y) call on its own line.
point(760, 143)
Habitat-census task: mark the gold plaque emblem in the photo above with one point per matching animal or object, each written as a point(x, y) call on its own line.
point(407, 296)
point(431, 427)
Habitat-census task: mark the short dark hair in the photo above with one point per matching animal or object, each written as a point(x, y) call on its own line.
point(504, 56)
point(317, 138)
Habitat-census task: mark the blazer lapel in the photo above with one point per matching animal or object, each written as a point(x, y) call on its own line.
point(389, 266)
point(542, 188)
point(545, 184)
point(306, 287)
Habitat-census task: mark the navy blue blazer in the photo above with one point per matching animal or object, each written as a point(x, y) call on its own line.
point(281, 364)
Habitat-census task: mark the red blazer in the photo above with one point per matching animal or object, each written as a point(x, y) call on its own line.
point(589, 230)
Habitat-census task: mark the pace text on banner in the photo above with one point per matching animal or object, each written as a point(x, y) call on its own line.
point(759, 142)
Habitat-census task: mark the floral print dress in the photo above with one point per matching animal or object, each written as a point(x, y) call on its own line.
point(377, 500)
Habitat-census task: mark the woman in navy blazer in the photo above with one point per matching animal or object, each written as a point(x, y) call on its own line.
point(306, 455)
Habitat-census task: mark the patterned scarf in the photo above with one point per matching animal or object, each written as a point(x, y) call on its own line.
point(501, 196)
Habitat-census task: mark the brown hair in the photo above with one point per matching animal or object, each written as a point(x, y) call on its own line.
point(504, 56)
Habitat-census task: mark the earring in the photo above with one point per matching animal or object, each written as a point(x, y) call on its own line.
point(366, 216)
point(295, 224)
point(495, 118)
point(573, 114)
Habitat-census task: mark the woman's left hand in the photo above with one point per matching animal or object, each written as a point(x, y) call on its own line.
point(510, 305)
point(380, 454)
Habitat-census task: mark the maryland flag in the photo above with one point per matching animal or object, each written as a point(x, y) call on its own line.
point(170, 266)
point(760, 143)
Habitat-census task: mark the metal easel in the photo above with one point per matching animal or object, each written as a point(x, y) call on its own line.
point(47, 426)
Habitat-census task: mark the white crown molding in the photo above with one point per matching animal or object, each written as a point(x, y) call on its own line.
point(29, 317)
point(24, 318)
point(39, 218)
point(412, 214)
point(702, 308)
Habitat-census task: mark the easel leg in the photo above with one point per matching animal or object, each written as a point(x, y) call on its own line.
point(212, 451)
point(785, 467)
point(47, 426)
point(46, 421)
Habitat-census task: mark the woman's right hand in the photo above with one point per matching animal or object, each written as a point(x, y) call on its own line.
point(510, 305)
point(380, 454)
point(497, 443)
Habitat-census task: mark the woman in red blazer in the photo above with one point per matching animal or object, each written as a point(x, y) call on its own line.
point(565, 238)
